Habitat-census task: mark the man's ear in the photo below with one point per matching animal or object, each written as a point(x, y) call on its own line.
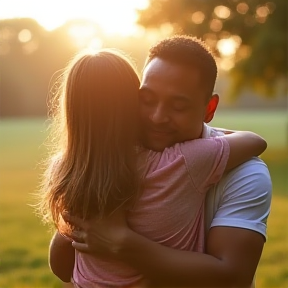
point(211, 108)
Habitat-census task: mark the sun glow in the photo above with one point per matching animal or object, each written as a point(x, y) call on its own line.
point(112, 16)
point(228, 47)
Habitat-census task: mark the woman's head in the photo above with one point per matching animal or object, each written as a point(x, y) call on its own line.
point(95, 122)
point(100, 99)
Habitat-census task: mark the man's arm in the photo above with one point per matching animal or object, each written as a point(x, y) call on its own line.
point(61, 257)
point(235, 241)
point(232, 262)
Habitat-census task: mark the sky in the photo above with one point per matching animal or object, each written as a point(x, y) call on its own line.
point(113, 16)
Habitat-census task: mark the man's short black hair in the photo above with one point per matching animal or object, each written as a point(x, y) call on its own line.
point(189, 51)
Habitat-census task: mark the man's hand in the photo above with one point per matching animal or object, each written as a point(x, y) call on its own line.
point(99, 237)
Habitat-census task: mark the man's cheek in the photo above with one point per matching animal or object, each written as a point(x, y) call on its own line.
point(144, 115)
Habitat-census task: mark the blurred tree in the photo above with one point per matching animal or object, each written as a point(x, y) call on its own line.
point(29, 56)
point(32, 58)
point(249, 37)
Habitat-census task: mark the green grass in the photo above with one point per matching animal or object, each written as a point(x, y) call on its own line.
point(273, 269)
point(24, 240)
point(272, 125)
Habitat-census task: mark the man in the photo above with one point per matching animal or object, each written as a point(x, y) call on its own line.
point(178, 73)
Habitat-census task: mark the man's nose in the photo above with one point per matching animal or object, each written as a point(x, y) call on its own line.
point(159, 115)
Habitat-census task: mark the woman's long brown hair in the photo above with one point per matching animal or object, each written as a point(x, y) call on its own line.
point(91, 170)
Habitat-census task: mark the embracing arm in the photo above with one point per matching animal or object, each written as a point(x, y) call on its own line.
point(234, 242)
point(233, 257)
point(243, 146)
point(61, 257)
point(234, 252)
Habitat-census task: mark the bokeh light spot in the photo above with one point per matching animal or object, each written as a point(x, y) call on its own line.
point(25, 35)
point(198, 17)
point(216, 25)
point(242, 8)
point(222, 12)
point(227, 47)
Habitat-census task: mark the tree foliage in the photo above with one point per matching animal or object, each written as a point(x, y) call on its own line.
point(258, 29)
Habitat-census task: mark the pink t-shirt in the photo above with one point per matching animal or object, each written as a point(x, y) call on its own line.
point(170, 210)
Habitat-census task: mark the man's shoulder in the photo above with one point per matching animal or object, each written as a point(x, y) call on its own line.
point(241, 198)
point(250, 163)
point(251, 177)
point(254, 171)
point(253, 167)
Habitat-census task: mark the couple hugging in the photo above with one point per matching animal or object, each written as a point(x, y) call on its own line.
point(141, 190)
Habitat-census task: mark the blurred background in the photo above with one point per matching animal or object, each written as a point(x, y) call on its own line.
point(38, 38)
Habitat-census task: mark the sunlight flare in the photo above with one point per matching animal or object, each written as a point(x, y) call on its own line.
point(113, 16)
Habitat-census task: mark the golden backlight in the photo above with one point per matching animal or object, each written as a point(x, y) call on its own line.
point(112, 16)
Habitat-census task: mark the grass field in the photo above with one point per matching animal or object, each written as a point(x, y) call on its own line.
point(272, 125)
point(24, 240)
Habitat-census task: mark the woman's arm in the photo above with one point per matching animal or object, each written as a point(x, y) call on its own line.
point(61, 257)
point(243, 146)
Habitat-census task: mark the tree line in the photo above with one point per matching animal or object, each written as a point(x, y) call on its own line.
point(30, 55)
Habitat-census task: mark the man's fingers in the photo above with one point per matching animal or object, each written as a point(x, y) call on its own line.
point(119, 212)
point(73, 220)
point(81, 247)
point(78, 236)
point(118, 216)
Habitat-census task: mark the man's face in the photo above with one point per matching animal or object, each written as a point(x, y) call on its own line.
point(172, 104)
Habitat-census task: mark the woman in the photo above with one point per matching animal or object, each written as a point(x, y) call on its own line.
point(98, 167)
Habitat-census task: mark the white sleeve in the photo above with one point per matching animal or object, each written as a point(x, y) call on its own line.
point(242, 198)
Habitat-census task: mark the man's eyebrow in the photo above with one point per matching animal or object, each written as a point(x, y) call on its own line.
point(181, 97)
point(177, 97)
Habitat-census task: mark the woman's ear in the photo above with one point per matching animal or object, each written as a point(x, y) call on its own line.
point(211, 108)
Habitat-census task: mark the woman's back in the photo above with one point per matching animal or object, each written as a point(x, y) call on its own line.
point(170, 208)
